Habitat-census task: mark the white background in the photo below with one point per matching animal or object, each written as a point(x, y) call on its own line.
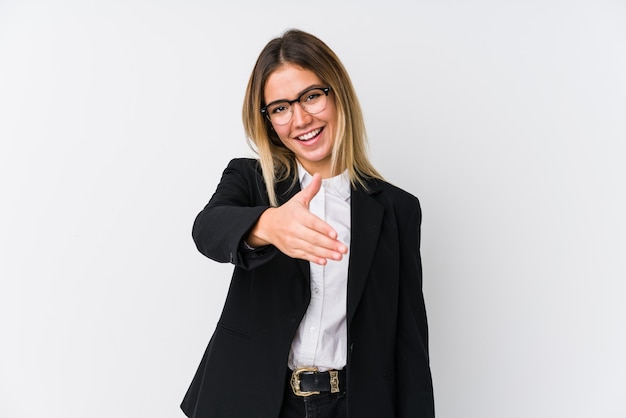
point(507, 120)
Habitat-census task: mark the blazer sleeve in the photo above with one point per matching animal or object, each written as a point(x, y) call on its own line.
point(414, 381)
point(238, 202)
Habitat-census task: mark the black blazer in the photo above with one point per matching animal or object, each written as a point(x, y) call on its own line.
point(242, 373)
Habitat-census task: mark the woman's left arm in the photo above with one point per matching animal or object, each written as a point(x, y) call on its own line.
point(414, 382)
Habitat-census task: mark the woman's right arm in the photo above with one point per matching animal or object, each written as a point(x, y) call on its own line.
point(233, 216)
point(220, 228)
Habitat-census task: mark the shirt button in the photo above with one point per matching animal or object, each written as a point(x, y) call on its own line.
point(312, 329)
point(316, 290)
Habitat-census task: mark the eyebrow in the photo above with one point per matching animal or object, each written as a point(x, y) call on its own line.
point(312, 86)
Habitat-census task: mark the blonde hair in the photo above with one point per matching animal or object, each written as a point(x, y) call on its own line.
point(350, 144)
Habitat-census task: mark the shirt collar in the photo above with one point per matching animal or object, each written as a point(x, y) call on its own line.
point(338, 185)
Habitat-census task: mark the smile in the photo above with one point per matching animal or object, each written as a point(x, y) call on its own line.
point(309, 135)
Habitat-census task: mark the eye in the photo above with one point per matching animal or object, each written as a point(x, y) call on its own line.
point(312, 96)
point(278, 108)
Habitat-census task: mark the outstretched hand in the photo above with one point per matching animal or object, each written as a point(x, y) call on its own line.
point(296, 232)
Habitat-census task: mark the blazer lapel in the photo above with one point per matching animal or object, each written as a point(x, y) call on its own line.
point(367, 216)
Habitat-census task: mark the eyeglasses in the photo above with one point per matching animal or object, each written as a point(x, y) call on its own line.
point(312, 100)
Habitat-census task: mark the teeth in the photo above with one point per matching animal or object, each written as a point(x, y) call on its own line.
point(309, 135)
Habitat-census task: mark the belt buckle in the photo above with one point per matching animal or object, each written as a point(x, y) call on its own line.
point(295, 381)
point(334, 381)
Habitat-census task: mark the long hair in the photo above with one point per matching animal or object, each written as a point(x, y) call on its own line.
point(350, 143)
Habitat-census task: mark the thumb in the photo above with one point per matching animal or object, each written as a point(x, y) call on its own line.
point(309, 192)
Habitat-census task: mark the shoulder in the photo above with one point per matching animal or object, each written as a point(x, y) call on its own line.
point(391, 195)
point(401, 208)
point(242, 173)
point(248, 169)
point(244, 164)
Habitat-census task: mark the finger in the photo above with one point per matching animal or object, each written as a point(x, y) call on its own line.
point(318, 225)
point(322, 246)
point(319, 254)
point(309, 192)
point(320, 258)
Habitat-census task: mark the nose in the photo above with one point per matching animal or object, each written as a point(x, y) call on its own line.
point(300, 117)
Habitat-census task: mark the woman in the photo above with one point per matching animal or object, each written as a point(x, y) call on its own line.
point(325, 314)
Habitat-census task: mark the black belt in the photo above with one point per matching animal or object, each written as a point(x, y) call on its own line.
point(307, 381)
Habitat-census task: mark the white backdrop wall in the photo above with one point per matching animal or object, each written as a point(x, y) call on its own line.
point(507, 120)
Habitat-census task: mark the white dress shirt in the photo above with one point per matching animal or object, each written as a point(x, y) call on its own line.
point(321, 338)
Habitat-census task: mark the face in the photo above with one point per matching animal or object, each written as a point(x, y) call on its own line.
point(309, 137)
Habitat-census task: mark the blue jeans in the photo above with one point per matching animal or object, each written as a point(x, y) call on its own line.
point(324, 405)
